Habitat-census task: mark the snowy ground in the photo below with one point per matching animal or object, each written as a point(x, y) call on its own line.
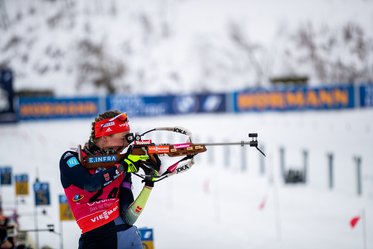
point(216, 203)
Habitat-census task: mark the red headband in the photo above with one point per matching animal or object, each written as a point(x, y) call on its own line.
point(110, 126)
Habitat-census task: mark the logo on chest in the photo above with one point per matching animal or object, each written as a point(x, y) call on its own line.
point(78, 197)
point(103, 159)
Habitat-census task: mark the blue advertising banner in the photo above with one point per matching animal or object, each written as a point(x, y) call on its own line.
point(287, 99)
point(366, 95)
point(135, 105)
point(42, 193)
point(168, 104)
point(7, 112)
point(57, 108)
point(5, 175)
point(199, 103)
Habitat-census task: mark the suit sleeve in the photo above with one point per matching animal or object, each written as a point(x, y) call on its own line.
point(72, 172)
point(135, 209)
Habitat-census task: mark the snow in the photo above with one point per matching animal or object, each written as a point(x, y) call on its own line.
point(216, 203)
point(184, 46)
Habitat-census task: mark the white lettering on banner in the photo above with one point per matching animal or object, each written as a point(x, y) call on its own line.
point(181, 146)
point(93, 209)
point(105, 215)
point(108, 124)
point(138, 106)
point(102, 159)
point(98, 202)
point(125, 125)
point(107, 183)
point(143, 142)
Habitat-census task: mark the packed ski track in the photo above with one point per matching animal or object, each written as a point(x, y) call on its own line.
point(224, 200)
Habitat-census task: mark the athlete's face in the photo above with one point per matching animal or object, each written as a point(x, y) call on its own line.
point(116, 140)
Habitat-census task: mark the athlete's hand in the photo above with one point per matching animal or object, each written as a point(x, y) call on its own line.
point(132, 163)
point(154, 162)
point(150, 174)
point(151, 168)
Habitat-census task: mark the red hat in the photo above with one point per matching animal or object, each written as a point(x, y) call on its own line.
point(110, 126)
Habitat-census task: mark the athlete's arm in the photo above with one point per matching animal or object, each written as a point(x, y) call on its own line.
point(135, 209)
point(74, 173)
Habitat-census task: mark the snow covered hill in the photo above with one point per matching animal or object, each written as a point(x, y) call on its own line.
point(150, 47)
point(177, 46)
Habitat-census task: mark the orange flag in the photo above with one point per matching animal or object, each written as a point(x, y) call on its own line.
point(354, 221)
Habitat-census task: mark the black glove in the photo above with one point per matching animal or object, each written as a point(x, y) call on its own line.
point(150, 174)
point(155, 162)
point(151, 168)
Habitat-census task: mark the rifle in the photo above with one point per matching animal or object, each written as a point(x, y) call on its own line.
point(140, 146)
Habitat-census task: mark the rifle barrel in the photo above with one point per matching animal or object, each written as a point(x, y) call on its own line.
point(253, 143)
point(242, 143)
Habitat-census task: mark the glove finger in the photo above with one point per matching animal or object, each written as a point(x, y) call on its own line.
point(136, 158)
point(146, 167)
point(155, 162)
point(131, 166)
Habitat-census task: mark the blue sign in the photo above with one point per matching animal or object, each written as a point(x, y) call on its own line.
point(168, 104)
point(5, 176)
point(42, 193)
point(300, 98)
point(199, 103)
point(7, 112)
point(135, 105)
point(213, 103)
point(62, 199)
point(146, 233)
point(366, 95)
point(21, 178)
point(58, 108)
point(147, 239)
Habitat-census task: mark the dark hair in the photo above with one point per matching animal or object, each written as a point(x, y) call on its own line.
point(102, 116)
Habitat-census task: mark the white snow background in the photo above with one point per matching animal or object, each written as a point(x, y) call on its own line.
point(181, 47)
point(215, 204)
